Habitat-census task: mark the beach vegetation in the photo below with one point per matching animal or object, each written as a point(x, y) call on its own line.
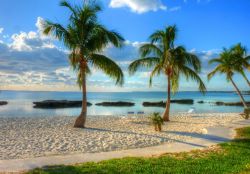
point(157, 121)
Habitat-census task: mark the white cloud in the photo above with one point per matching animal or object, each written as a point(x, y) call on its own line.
point(40, 24)
point(139, 6)
point(1, 30)
point(28, 41)
point(174, 9)
point(31, 59)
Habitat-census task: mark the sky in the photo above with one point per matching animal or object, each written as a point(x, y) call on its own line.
point(31, 61)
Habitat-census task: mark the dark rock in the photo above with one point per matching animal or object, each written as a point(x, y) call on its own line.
point(3, 103)
point(163, 104)
point(246, 93)
point(119, 103)
point(231, 103)
point(183, 101)
point(53, 104)
point(201, 102)
point(220, 103)
point(154, 104)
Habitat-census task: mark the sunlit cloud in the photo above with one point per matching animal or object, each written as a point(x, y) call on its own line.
point(139, 6)
point(1, 30)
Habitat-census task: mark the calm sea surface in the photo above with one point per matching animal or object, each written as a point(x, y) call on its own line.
point(20, 103)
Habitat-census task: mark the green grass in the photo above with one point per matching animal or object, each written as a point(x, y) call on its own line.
point(232, 157)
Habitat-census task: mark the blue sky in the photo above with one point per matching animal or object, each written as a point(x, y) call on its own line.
point(33, 62)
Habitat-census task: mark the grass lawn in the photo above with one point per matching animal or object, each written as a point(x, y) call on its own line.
point(232, 157)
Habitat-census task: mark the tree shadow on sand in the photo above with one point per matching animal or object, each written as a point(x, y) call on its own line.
point(164, 139)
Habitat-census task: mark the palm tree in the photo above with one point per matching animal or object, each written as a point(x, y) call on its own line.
point(226, 65)
point(241, 60)
point(85, 37)
point(164, 57)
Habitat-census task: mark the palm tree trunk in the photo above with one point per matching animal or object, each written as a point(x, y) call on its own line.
point(245, 77)
point(239, 93)
point(166, 113)
point(81, 119)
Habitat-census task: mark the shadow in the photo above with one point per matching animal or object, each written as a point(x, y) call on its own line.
point(141, 122)
point(202, 136)
point(149, 136)
point(241, 123)
point(242, 143)
point(185, 122)
point(62, 169)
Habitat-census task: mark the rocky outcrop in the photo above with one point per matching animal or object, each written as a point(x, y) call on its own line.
point(119, 103)
point(183, 101)
point(231, 103)
point(154, 104)
point(163, 104)
point(200, 102)
point(3, 103)
point(54, 104)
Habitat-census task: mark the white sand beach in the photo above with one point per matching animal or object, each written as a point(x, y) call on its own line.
point(45, 136)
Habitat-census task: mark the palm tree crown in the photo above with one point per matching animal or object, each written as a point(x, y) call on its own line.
point(85, 37)
point(226, 65)
point(164, 57)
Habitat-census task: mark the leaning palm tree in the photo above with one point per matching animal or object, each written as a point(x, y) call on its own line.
point(85, 37)
point(164, 57)
point(226, 65)
point(241, 60)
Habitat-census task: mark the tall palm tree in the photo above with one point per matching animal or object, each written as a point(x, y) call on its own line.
point(226, 65)
point(164, 57)
point(241, 60)
point(85, 37)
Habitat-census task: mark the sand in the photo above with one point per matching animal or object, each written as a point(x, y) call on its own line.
point(44, 136)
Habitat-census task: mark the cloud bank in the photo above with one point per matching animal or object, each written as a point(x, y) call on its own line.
point(32, 61)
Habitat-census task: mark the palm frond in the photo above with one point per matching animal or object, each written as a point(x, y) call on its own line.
point(74, 11)
point(100, 37)
point(189, 73)
point(58, 31)
point(108, 66)
point(150, 49)
point(157, 36)
point(175, 83)
point(193, 61)
point(143, 62)
point(156, 71)
point(171, 33)
point(214, 71)
point(115, 38)
point(215, 60)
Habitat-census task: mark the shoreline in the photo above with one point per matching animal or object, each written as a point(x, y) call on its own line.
point(22, 138)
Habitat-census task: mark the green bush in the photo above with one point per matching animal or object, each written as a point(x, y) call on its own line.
point(247, 113)
point(157, 121)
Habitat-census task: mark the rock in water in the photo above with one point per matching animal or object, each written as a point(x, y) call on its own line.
point(163, 104)
point(53, 104)
point(119, 103)
point(3, 103)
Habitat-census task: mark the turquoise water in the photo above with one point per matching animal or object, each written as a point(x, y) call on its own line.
point(20, 103)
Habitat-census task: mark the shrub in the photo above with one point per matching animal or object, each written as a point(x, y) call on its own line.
point(157, 121)
point(247, 113)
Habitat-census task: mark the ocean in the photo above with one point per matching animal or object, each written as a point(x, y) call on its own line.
point(20, 103)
